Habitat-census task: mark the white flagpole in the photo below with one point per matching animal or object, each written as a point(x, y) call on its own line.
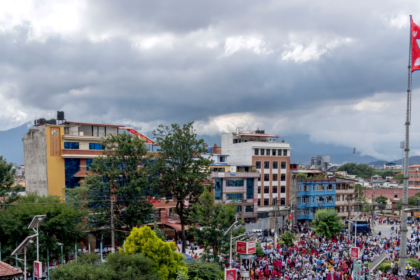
point(403, 247)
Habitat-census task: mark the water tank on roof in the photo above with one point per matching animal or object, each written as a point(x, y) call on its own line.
point(52, 121)
point(42, 121)
point(60, 115)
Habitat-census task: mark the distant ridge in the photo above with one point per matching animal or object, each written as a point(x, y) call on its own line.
point(380, 163)
point(11, 145)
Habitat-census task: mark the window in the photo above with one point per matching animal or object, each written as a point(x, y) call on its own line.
point(262, 152)
point(320, 199)
point(275, 164)
point(259, 179)
point(258, 164)
point(305, 188)
point(95, 146)
point(320, 187)
point(285, 153)
point(266, 165)
point(298, 200)
point(234, 196)
point(273, 152)
point(299, 187)
point(330, 187)
point(313, 199)
point(238, 209)
point(305, 200)
point(71, 145)
point(275, 177)
point(266, 177)
point(274, 189)
point(338, 198)
point(282, 189)
point(234, 183)
point(395, 195)
point(283, 177)
point(330, 199)
point(249, 208)
point(266, 201)
point(259, 189)
point(282, 201)
point(259, 202)
point(222, 159)
point(218, 187)
point(256, 152)
point(283, 165)
point(266, 190)
point(279, 152)
point(249, 188)
point(88, 163)
point(267, 152)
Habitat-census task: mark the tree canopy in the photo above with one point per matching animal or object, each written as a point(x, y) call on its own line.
point(381, 199)
point(399, 177)
point(203, 270)
point(144, 240)
point(8, 192)
point(327, 223)
point(118, 175)
point(181, 167)
point(360, 170)
point(287, 238)
point(302, 176)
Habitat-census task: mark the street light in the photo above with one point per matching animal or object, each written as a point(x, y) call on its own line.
point(36, 222)
point(22, 248)
point(227, 232)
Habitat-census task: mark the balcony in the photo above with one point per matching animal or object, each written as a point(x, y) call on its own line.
point(87, 134)
point(344, 203)
point(349, 191)
point(235, 175)
point(311, 192)
point(309, 216)
point(311, 204)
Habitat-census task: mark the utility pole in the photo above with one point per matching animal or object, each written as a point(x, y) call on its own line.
point(112, 226)
point(372, 212)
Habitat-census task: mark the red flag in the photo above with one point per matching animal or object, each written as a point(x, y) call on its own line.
point(415, 50)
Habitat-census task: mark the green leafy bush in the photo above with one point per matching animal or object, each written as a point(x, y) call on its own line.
point(203, 270)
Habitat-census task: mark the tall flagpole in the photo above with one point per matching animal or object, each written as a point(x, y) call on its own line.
point(403, 247)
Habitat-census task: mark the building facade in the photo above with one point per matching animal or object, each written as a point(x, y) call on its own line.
point(313, 195)
point(270, 158)
point(320, 162)
point(345, 203)
point(414, 176)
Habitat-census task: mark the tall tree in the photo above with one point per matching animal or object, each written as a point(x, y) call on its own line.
point(120, 176)
point(214, 219)
point(361, 170)
point(327, 223)
point(8, 192)
point(181, 167)
point(62, 224)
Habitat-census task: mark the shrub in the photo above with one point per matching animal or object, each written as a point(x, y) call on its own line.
point(203, 270)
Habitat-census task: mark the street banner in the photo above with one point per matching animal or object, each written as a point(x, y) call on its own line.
point(230, 274)
point(290, 216)
point(246, 248)
point(354, 252)
point(37, 269)
point(241, 247)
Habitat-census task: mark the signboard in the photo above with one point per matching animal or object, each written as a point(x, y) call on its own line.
point(55, 144)
point(290, 216)
point(354, 252)
point(37, 269)
point(246, 248)
point(230, 274)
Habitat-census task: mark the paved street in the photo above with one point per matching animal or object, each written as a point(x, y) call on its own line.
point(386, 230)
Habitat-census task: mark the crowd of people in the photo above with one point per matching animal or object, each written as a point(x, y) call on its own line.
point(314, 257)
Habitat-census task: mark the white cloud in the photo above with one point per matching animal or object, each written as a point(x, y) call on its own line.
point(235, 44)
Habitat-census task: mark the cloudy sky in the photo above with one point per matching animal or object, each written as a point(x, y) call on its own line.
point(335, 70)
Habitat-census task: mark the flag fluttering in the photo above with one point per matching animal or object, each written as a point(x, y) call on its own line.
point(415, 50)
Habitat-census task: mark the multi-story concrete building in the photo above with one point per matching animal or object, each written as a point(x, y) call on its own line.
point(345, 203)
point(320, 162)
point(256, 149)
point(414, 176)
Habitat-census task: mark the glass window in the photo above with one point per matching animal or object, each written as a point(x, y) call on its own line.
point(95, 146)
point(320, 187)
point(249, 208)
point(266, 190)
point(259, 189)
point(258, 164)
point(283, 189)
point(282, 201)
point(330, 187)
point(279, 152)
point(234, 183)
point(262, 152)
point(88, 163)
point(222, 159)
point(273, 152)
point(298, 200)
point(259, 179)
point(275, 177)
point(71, 167)
point(249, 188)
point(259, 202)
point(256, 152)
point(234, 196)
point(283, 165)
point(274, 189)
point(266, 164)
point(266, 201)
point(266, 177)
point(275, 164)
point(71, 145)
point(283, 177)
point(285, 153)
point(218, 187)
point(238, 209)
point(267, 152)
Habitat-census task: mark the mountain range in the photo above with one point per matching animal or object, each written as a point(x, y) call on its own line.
point(303, 148)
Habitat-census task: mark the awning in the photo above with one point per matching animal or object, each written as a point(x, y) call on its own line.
point(9, 272)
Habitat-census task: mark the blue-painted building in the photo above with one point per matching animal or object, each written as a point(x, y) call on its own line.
point(313, 195)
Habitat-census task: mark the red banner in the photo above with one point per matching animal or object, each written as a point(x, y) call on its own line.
point(37, 269)
point(415, 50)
point(290, 216)
point(354, 252)
point(230, 274)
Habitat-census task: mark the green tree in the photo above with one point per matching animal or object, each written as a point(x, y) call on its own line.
point(387, 173)
point(287, 238)
point(361, 170)
point(117, 267)
point(327, 223)
point(62, 224)
point(182, 170)
point(214, 219)
point(8, 192)
point(117, 174)
point(302, 176)
point(381, 199)
point(158, 231)
point(399, 177)
point(203, 270)
point(412, 201)
point(144, 240)
point(259, 250)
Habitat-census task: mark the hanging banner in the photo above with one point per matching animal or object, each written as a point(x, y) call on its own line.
point(37, 269)
point(230, 274)
point(354, 252)
point(290, 216)
point(246, 248)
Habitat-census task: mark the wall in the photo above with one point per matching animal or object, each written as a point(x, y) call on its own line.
point(55, 163)
point(35, 158)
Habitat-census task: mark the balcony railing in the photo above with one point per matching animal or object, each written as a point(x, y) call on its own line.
point(235, 175)
point(315, 204)
point(91, 134)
